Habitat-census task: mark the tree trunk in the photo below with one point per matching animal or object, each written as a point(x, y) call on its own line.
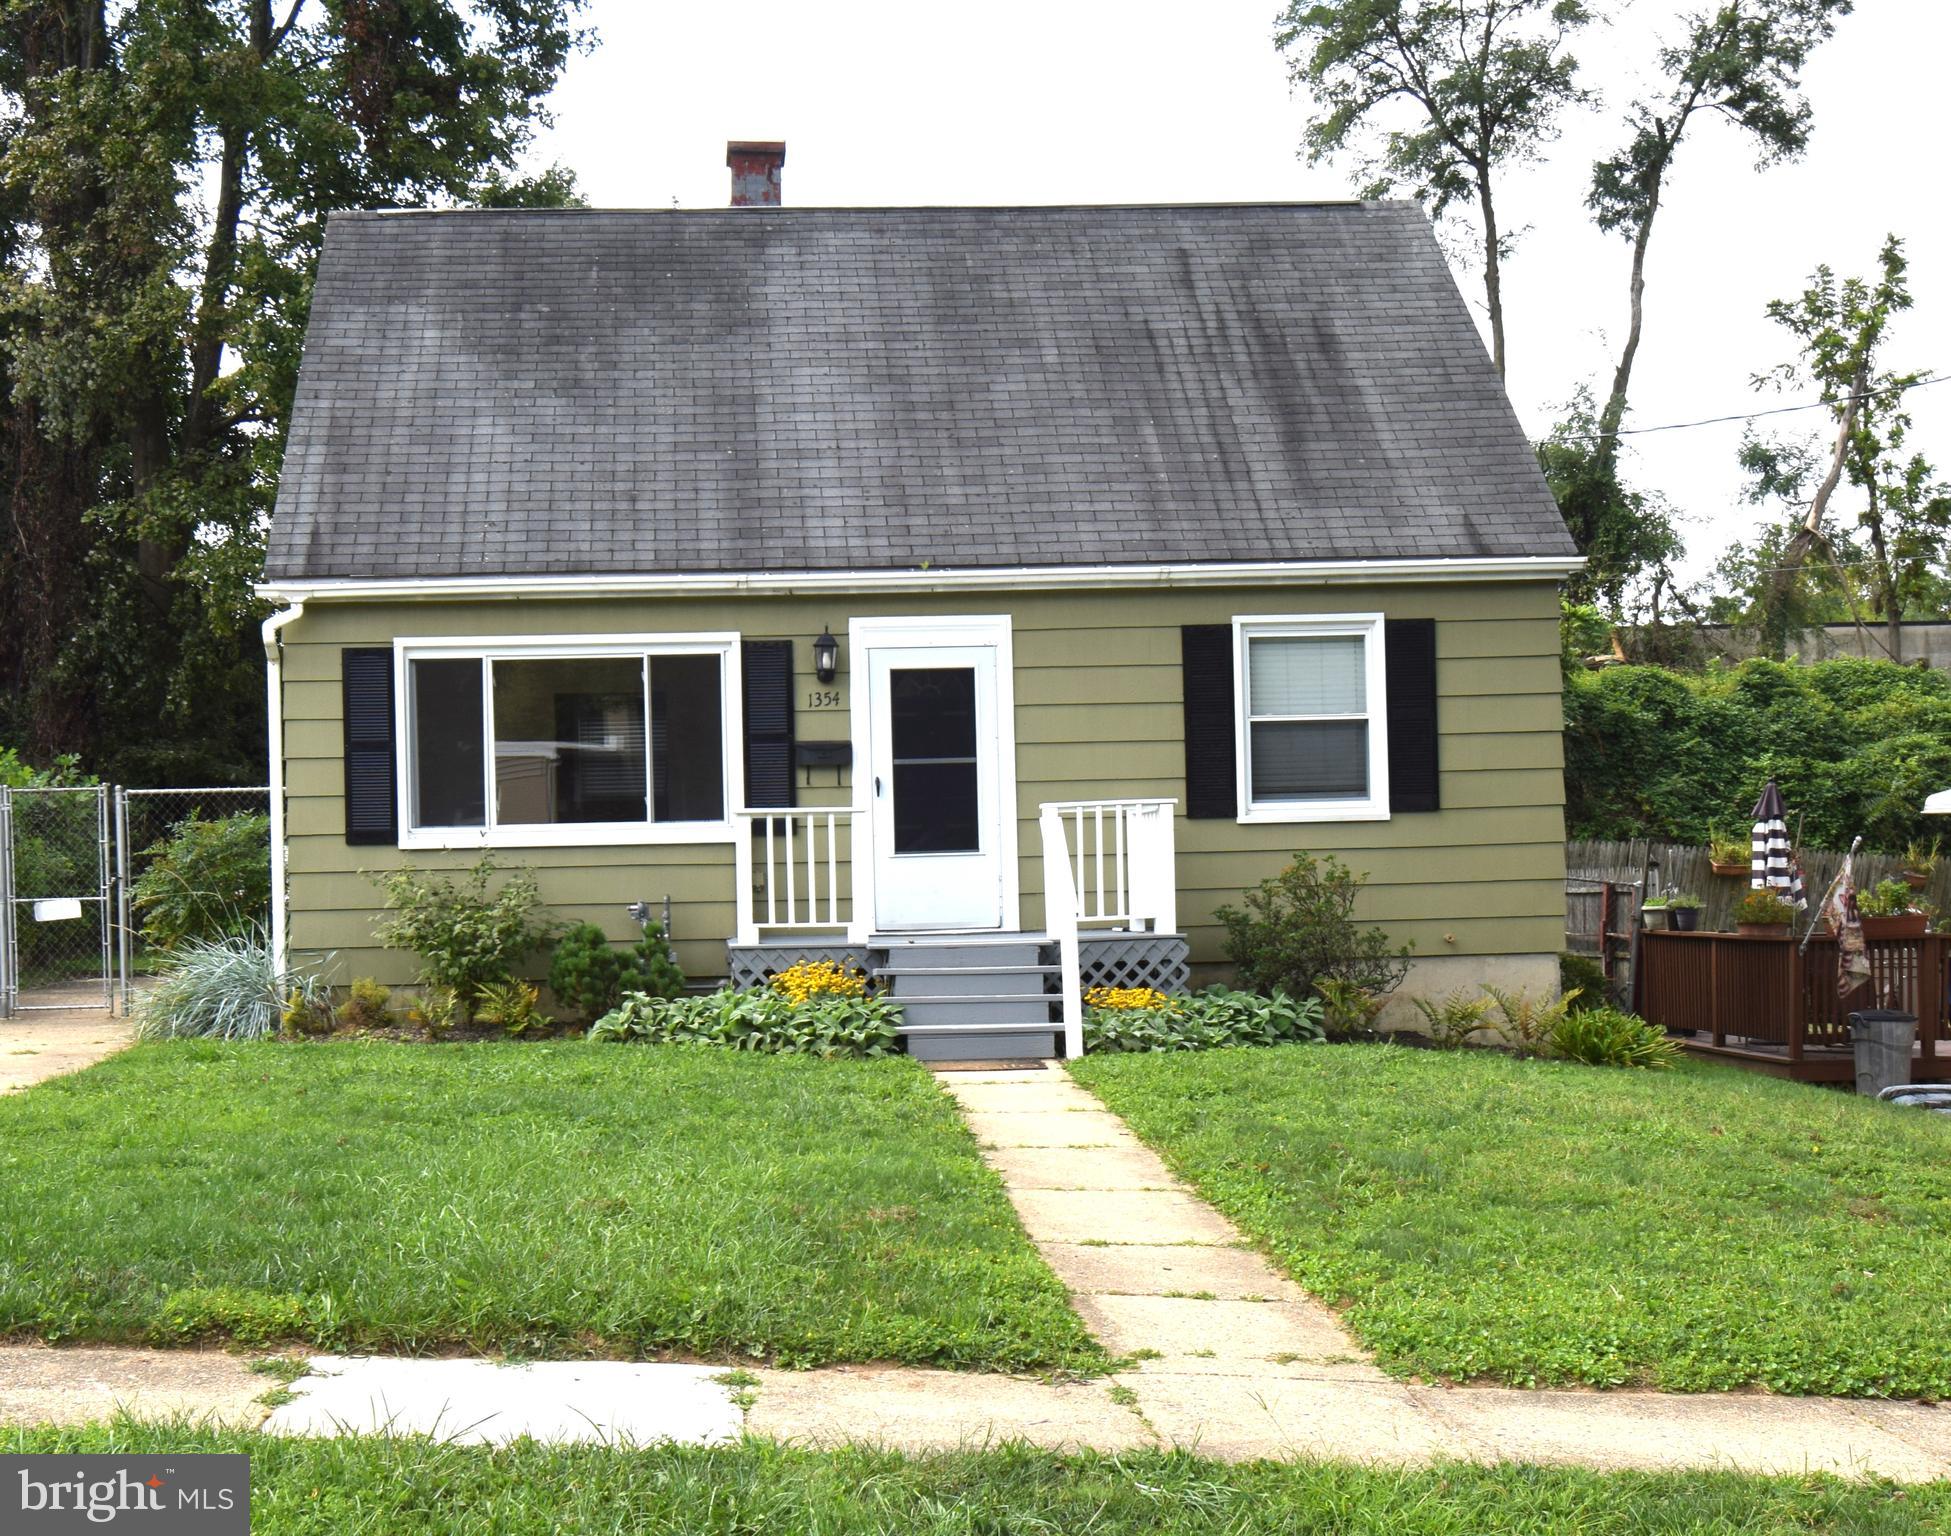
point(1493, 274)
point(1614, 414)
point(1798, 547)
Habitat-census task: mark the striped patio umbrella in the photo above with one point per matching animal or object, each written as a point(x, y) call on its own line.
point(1773, 866)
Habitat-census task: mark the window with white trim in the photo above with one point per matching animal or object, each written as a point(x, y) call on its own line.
point(1312, 724)
point(565, 743)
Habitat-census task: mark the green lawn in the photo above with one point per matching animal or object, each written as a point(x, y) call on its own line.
point(542, 1199)
point(1544, 1222)
point(415, 1488)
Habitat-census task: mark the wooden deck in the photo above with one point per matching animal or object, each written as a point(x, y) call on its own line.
point(1771, 1006)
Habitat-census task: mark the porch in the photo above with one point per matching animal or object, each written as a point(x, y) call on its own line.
point(1770, 1005)
point(1110, 910)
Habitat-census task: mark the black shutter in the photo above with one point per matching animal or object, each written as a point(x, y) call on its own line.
point(371, 802)
point(768, 671)
point(1206, 652)
point(1411, 652)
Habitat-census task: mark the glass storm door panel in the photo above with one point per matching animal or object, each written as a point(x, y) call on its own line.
point(933, 796)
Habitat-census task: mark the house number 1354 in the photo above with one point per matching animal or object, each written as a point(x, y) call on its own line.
point(823, 698)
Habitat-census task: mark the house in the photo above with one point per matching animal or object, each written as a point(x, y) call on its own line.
point(979, 590)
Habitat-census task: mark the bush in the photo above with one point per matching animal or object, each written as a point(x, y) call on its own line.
point(436, 1011)
point(1298, 929)
point(590, 976)
point(206, 880)
point(513, 1006)
point(1454, 1019)
point(368, 1006)
point(466, 937)
point(1348, 1011)
point(758, 1020)
point(1584, 978)
point(1887, 898)
point(225, 989)
point(1204, 1021)
point(1609, 1037)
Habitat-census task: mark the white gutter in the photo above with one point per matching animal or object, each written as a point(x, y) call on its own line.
point(1032, 578)
point(275, 719)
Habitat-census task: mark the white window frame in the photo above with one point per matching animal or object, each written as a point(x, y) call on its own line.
point(1374, 806)
point(582, 834)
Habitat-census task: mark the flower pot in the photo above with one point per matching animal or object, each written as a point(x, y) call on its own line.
point(1916, 881)
point(1683, 919)
point(1729, 871)
point(1906, 925)
point(1762, 930)
point(1653, 917)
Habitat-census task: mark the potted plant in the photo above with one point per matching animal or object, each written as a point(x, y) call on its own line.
point(1887, 912)
point(1763, 915)
point(1920, 863)
point(1729, 855)
point(1683, 912)
point(1652, 913)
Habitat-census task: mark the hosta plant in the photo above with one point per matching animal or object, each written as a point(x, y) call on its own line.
point(1205, 1021)
point(758, 1019)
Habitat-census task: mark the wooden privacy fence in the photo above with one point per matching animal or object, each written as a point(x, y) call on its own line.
point(1772, 994)
point(1685, 868)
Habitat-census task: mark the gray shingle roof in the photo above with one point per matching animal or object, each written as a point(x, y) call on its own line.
point(824, 389)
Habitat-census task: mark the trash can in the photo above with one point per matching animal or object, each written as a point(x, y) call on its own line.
point(1883, 1038)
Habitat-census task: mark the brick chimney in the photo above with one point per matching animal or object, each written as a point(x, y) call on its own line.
point(755, 171)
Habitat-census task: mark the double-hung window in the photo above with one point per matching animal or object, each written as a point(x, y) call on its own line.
point(1311, 718)
point(566, 741)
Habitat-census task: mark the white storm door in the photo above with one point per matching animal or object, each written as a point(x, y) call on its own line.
point(934, 790)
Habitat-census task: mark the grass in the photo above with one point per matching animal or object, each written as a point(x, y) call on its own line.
point(554, 1199)
point(375, 1487)
point(1536, 1222)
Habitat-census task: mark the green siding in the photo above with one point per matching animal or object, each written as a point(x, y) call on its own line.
point(1098, 715)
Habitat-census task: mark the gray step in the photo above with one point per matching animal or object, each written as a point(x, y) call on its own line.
point(977, 954)
point(995, 1042)
point(964, 981)
point(1017, 1028)
point(1007, 1009)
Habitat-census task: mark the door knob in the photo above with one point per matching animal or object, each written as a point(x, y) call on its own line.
point(877, 786)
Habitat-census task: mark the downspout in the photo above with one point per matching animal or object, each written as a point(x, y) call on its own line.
point(275, 721)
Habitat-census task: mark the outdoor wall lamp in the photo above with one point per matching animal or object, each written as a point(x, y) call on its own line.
point(826, 655)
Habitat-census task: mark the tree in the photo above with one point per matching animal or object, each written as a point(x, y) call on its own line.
point(1436, 96)
point(1626, 536)
point(1903, 524)
point(166, 169)
point(1740, 61)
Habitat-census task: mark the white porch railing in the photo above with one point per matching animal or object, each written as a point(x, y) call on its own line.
point(788, 872)
point(1106, 862)
point(1121, 860)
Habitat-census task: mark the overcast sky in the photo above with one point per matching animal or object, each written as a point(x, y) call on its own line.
point(1081, 101)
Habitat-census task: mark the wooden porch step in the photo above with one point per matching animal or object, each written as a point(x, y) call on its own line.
point(1031, 1028)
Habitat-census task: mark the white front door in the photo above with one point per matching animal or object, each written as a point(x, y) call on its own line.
point(936, 781)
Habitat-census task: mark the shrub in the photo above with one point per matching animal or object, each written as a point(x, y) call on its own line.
point(758, 1019)
point(1298, 928)
point(591, 976)
point(807, 979)
point(1610, 1037)
point(1887, 898)
point(1763, 907)
point(437, 1010)
point(1347, 1010)
point(1454, 1019)
point(1584, 978)
point(206, 880)
point(225, 989)
point(1921, 858)
point(1529, 1023)
point(465, 935)
point(368, 1006)
point(512, 1005)
point(1204, 1021)
point(306, 1014)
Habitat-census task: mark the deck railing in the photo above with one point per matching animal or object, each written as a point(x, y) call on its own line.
point(1060, 922)
point(1772, 994)
point(788, 871)
point(1121, 860)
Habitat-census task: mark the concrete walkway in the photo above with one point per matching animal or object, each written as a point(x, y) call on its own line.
point(37, 1046)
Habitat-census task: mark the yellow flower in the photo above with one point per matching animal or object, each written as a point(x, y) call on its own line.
point(816, 978)
point(1129, 997)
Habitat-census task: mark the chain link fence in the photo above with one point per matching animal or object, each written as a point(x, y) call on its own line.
point(169, 875)
point(57, 899)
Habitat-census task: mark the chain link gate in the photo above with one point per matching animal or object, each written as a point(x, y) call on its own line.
point(57, 899)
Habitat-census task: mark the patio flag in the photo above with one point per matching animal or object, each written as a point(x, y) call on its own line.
point(1852, 954)
point(1770, 867)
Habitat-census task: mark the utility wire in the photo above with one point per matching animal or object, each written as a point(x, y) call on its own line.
point(1778, 410)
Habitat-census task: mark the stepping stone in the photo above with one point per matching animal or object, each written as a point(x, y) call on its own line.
point(1119, 1216)
point(1118, 1167)
point(1193, 1333)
